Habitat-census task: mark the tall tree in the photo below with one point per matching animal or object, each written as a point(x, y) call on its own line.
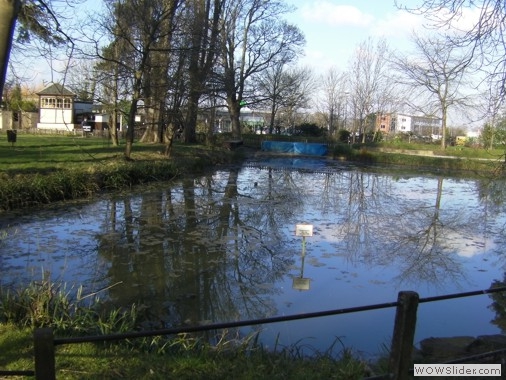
point(33, 19)
point(205, 17)
point(435, 76)
point(156, 81)
point(334, 99)
point(484, 39)
point(9, 10)
point(254, 38)
point(143, 29)
point(280, 88)
point(369, 83)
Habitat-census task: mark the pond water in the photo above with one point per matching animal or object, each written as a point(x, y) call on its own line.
point(222, 247)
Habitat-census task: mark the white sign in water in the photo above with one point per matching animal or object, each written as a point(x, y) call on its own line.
point(304, 229)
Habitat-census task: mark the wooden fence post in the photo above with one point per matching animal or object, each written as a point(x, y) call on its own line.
point(404, 333)
point(44, 354)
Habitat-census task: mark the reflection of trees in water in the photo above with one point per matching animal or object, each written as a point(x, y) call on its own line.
point(194, 257)
point(377, 227)
point(359, 225)
point(420, 243)
point(492, 193)
point(499, 304)
point(212, 248)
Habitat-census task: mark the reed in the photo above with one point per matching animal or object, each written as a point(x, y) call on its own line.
point(67, 310)
point(227, 355)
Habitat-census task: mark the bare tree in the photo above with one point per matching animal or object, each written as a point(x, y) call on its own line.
point(333, 101)
point(369, 82)
point(204, 18)
point(254, 38)
point(281, 88)
point(81, 78)
point(484, 39)
point(435, 76)
point(140, 44)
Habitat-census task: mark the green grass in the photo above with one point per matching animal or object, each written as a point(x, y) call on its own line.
point(454, 151)
point(114, 361)
point(46, 153)
point(184, 356)
point(41, 169)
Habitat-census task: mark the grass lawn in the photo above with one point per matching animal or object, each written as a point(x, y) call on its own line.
point(46, 153)
point(127, 361)
point(41, 169)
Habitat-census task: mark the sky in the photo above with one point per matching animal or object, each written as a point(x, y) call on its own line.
point(334, 28)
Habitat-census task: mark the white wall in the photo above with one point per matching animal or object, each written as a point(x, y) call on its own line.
point(5, 120)
point(55, 116)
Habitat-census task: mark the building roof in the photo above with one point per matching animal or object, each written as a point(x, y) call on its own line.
point(56, 89)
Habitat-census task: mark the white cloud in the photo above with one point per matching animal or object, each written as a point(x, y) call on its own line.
point(397, 25)
point(467, 20)
point(335, 15)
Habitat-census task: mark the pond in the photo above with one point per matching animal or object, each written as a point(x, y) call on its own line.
point(222, 247)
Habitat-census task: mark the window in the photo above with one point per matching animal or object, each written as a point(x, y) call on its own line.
point(48, 102)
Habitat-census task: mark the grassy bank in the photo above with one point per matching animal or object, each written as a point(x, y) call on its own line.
point(43, 169)
point(182, 359)
point(185, 356)
point(40, 169)
point(453, 161)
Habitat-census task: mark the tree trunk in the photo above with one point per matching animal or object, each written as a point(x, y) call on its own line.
point(112, 128)
point(114, 118)
point(210, 125)
point(443, 127)
point(152, 132)
point(235, 113)
point(190, 135)
point(169, 139)
point(9, 10)
point(130, 129)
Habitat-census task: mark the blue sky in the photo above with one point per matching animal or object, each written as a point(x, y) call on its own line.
point(334, 28)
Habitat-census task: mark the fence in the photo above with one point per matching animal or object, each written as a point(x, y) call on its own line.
point(401, 349)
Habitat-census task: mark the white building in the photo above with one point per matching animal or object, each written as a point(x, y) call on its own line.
point(402, 123)
point(59, 110)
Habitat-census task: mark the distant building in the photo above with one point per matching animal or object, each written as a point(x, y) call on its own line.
point(59, 109)
point(384, 123)
point(427, 125)
point(403, 123)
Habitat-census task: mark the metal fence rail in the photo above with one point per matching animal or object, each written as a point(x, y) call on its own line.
point(400, 352)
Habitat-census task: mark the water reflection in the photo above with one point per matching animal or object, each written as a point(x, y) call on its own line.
point(499, 305)
point(195, 253)
point(222, 247)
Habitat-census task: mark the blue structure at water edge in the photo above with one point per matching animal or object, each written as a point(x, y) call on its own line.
point(307, 149)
